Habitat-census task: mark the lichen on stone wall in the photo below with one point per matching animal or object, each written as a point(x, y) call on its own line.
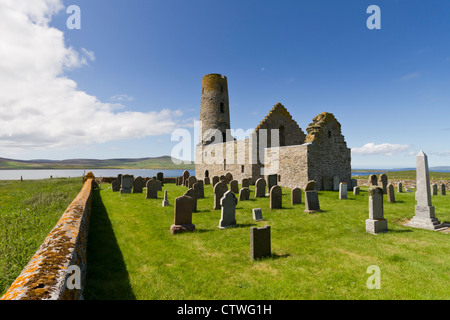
point(321, 123)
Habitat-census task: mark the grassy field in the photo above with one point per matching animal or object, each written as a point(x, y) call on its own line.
point(28, 212)
point(132, 255)
point(409, 175)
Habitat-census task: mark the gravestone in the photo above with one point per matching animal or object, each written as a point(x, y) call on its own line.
point(245, 183)
point(126, 184)
point(257, 214)
point(442, 189)
point(193, 194)
point(384, 182)
point(234, 186)
point(311, 201)
point(199, 188)
point(342, 190)
point(228, 210)
point(191, 181)
point(160, 177)
point(296, 196)
point(244, 194)
point(424, 217)
point(260, 188)
point(207, 181)
point(356, 191)
point(183, 208)
point(336, 182)
point(310, 186)
point(158, 185)
point(434, 189)
point(376, 222)
point(165, 202)
point(390, 193)
point(115, 185)
point(152, 189)
point(276, 197)
point(185, 177)
point(373, 180)
point(327, 183)
point(260, 245)
point(228, 177)
point(400, 187)
point(354, 183)
point(272, 180)
point(138, 185)
point(215, 179)
point(223, 178)
point(219, 190)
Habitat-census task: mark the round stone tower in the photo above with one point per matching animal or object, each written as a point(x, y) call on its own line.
point(214, 108)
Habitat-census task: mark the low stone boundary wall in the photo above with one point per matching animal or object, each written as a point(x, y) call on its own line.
point(406, 183)
point(111, 179)
point(45, 276)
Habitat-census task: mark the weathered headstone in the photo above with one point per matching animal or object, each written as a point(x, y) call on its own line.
point(356, 190)
point(342, 190)
point(354, 183)
point(272, 180)
point(373, 180)
point(384, 182)
point(390, 193)
point(138, 185)
point(327, 183)
point(276, 197)
point(228, 177)
point(260, 243)
point(311, 201)
point(310, 185)
point(207, 181)
point(165, 202)
point(191, 181)
point(127, 183)
point(215, 179)
point(185, 176)
point(244, 194)
point(228, 210)
point(434, 189)
point(257, 214)
point(234, 186)
point(296, 196)
point(400, 187)
point(115, 185)
point(442, 189)
point(260, 188)
point(219, 190)
point(152, 189)
point(245, 183)
point(158, 185)
point(336, 182)
point(183, 208)
point(223, 178)
point(424, 217)
point(160, 177)
point(193, 194)
point(199, 188)
point(376, 222)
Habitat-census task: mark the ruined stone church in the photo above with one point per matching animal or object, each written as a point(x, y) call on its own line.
point(276, 146)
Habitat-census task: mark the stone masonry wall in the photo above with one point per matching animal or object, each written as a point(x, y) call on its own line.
point(45, 276)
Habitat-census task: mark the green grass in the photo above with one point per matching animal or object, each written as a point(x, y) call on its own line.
point(28, 212)
point(132, 255)
point(409, 175)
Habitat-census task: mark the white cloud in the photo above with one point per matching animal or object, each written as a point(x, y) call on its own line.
point(386, 149)
point(39, 106)
point(121, 98)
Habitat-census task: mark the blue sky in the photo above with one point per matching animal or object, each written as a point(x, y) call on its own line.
point(137, 67)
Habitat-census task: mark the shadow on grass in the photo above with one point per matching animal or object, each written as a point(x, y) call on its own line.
point(107, 277)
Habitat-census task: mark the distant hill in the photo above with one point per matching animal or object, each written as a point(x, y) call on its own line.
point(164, 162)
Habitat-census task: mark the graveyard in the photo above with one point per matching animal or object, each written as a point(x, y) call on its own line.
point(322, 255)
